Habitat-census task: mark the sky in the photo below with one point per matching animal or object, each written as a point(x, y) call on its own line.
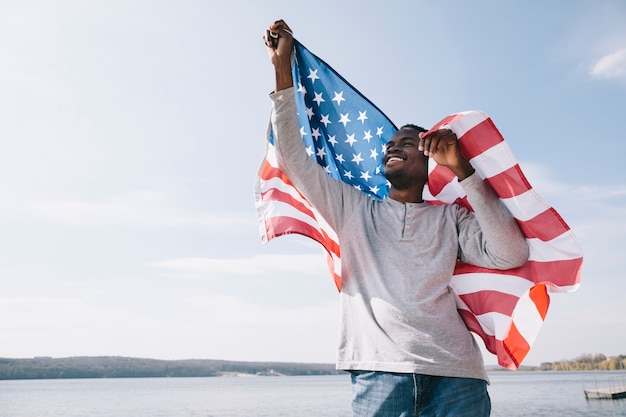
point(131, 133)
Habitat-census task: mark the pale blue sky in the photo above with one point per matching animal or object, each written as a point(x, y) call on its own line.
point(131, 132)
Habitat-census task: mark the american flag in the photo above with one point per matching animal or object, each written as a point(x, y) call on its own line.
point(346, 134)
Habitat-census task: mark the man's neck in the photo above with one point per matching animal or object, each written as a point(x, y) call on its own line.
point(406, 196)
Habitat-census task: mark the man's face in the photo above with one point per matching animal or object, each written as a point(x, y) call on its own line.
point(403, 161)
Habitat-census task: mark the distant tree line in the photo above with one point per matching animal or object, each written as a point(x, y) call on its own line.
point(587, 362)
point(124, 367)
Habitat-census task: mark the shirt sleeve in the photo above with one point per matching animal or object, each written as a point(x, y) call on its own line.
point(491, 236)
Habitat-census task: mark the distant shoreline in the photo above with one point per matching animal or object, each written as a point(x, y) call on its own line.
point(128, 367)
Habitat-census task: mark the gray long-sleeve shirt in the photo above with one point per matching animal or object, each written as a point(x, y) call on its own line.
point(397, 311)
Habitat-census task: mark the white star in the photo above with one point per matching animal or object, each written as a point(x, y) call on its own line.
point(316, 133)
point(319, 99)
point(301, 88)
point(338, 98)
point(325, 120)
point(332, 140)
point(379, 131)
point(302, 132)
point(309, 150)
point(309, 112)
point(378, 170)
point(339, 158)
point(321, 153)
point(348, 174)
point(362, 117)
point(357, 158)
point(327, 169)
point(367, 136)
point(313, 76)
point(357, 186)
point(350, 139)
point(373, 153)
point(365, 175)
point(374, 189)
point(344, 119)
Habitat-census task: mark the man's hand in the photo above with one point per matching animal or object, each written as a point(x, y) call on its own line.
point(279, 41)
point(443, 146)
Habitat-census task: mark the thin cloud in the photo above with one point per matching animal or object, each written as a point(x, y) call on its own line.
point(612, 66)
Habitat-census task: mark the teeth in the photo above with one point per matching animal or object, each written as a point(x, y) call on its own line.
point(394, 158)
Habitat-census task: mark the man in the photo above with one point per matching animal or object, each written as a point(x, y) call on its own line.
point(401, 338)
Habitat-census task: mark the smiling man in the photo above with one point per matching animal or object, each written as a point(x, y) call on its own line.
point(401, 338)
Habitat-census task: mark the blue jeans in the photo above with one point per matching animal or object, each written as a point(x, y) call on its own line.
point(384, 394)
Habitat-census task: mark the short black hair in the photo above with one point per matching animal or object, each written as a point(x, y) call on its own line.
point(415, 127)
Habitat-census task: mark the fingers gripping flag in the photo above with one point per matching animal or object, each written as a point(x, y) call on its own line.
point(346, 134)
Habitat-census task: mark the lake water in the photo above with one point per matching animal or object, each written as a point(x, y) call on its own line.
point(513, 394)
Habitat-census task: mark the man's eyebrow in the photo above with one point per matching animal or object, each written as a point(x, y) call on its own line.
point(403, 139)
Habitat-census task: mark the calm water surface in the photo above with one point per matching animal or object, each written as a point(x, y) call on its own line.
point(513, 395)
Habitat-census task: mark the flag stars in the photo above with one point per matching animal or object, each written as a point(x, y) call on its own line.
point(321, 153)
point(302, 132)
point(350, 139)
point(367, 136)
point(301, 89)
point(338, 98)
point(319, 99)
point(365, 175)
point(379, 131)
point(316, 133)
point(332, 140)
point(373, 153)
point(356, 158)
point(362, 116)
point(309, 112)
point(339, 158)
point(344, 119)
point(374, 190)
point(348, 174)
point(325, 120)
point(309, 150)
point(313, 75)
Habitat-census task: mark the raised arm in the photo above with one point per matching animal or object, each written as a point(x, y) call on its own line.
point(279, 41)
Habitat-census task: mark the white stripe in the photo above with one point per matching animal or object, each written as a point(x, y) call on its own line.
point(525, 206)
point(479, 281)
point(494, 323)
point(561, 248)
point(494, 160)
point(527, 319)
point(279, 184)
point(467, 122)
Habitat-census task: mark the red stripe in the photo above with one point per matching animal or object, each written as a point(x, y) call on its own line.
point(274, 194)
point(539, 295)
point(509, 183)
point(283, 225)
point(544, 226)
point(515, 345)
point(560, 273)
point(438, 178)
point(488, 301)
point(474, 326)
point(268, 172)
point(480, 138)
